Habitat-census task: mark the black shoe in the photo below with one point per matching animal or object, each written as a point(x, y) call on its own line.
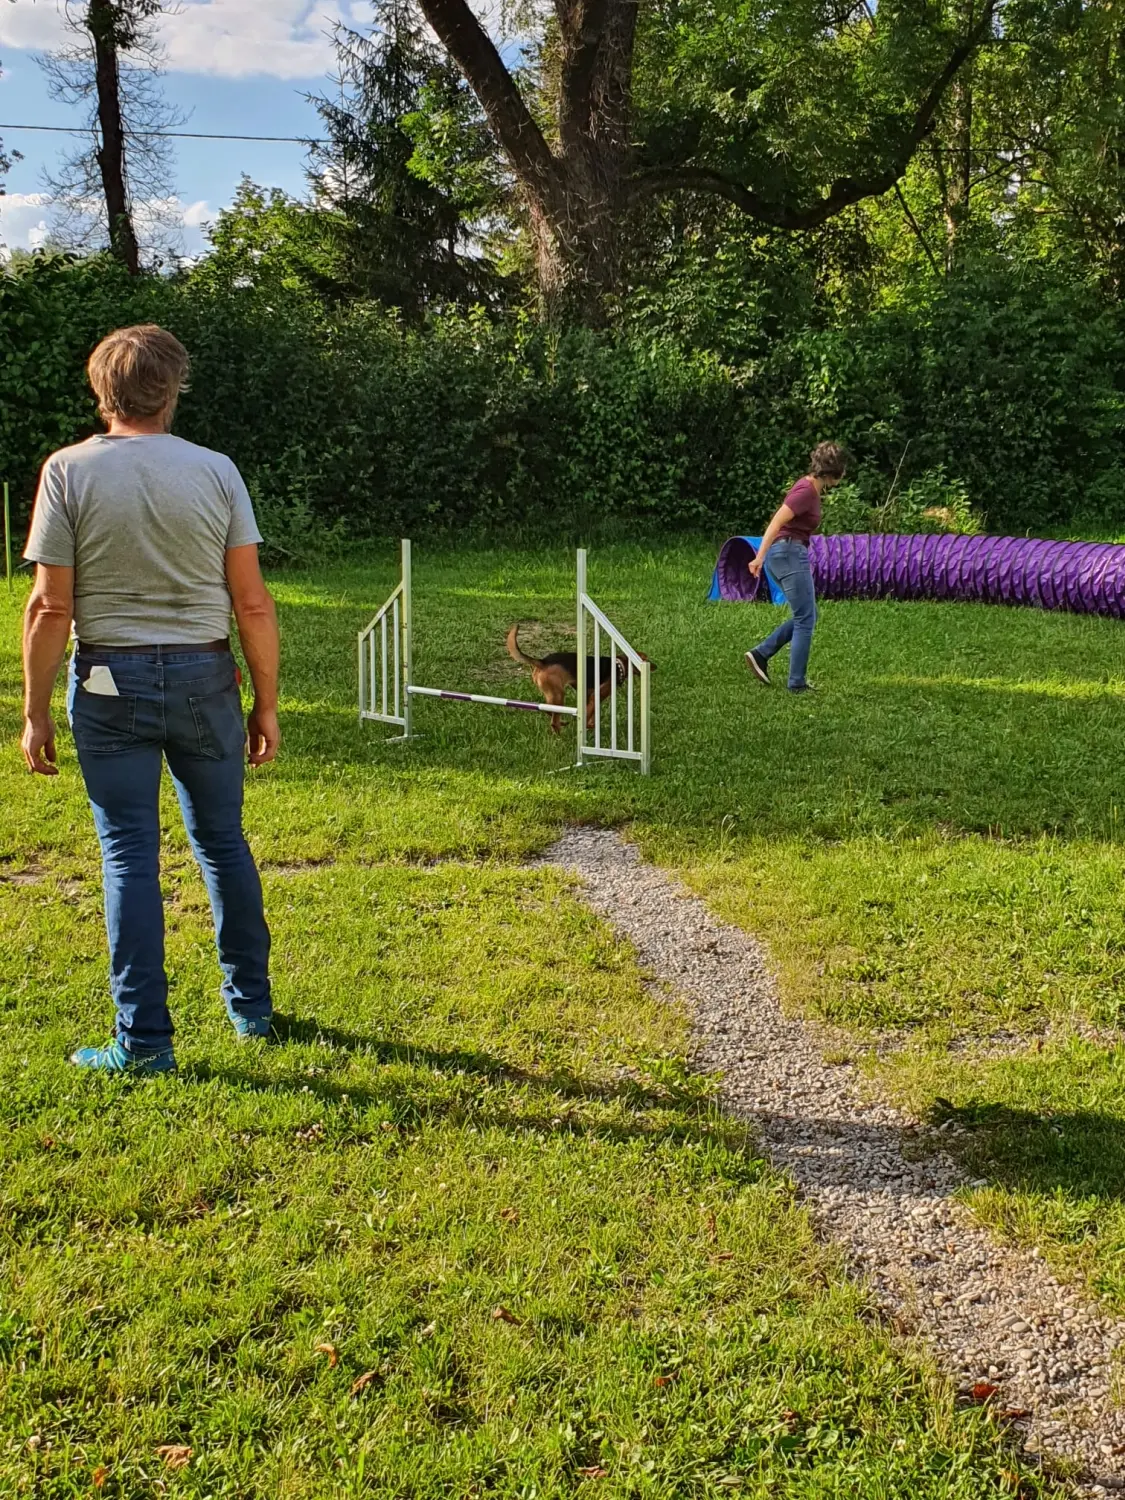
point(805, 687)
point(758, 667)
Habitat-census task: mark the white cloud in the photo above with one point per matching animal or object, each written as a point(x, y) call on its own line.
point(286, 39)
point(31, 23)
point(221, 38)
point(25, 222)
point(235, 38)
point(229, 38)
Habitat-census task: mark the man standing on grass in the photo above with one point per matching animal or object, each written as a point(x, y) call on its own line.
point(146, 543)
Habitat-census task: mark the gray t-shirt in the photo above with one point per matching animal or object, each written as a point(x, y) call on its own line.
point(145, 522)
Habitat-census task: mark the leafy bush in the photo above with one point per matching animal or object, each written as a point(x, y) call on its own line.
point(1000, 388)
point(932, 502)
point(1008, 377)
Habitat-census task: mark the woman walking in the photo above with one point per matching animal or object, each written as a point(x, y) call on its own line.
point(787, 542)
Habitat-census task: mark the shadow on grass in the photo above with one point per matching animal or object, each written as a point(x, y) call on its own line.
point(1079, 1153)
point(1077, 1157)
point(557, 1082)
point(550, 1109)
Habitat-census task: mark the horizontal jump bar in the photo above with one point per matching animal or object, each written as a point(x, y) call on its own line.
point(536, 708)
point(611, 754)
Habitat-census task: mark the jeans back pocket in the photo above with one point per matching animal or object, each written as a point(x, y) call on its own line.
point(103, 723)
point(219, 726)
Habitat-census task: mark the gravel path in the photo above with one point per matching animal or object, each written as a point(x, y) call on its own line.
point(992, 1314)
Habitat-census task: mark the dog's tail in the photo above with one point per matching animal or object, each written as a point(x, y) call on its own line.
point(514, 649)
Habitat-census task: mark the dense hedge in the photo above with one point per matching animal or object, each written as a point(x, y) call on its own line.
point(351, 425)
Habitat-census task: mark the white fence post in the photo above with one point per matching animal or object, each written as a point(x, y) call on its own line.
point(646, 722)
point(378, 658)
point(622, 658)
point(407, 639)
point(580, 687)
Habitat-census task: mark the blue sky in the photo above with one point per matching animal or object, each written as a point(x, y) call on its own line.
point(236, 66)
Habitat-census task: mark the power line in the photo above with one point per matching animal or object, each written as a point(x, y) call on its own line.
point(185, 135)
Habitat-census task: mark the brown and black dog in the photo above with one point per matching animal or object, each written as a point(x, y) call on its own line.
point(553, 674)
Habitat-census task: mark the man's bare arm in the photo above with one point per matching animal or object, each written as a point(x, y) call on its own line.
point(257, 630)
point(46, 630)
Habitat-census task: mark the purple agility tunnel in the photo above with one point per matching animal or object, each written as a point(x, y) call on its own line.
point(1086, 578)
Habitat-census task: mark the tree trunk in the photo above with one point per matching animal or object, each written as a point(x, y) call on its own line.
point(578, 194)
point(101, 21)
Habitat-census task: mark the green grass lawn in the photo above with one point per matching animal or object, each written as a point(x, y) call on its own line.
point(477, 1105)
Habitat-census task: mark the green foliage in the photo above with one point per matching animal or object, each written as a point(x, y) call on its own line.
point(1005, 378)
point(269, 239)
point(930, 503)
point(993, 394)
point(408, 171)
point(934, 502)
point(349, 418)
point(53, 310)
point(783, 97)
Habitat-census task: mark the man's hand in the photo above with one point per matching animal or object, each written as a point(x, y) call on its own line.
point(263, 735)
point(38, 745)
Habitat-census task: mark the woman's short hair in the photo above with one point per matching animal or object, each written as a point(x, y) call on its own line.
point(138, 372)
point(828, 461)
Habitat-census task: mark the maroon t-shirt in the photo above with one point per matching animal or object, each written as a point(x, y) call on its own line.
point(804, 501)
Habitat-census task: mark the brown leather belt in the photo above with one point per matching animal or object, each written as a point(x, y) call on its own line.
point(186, 647)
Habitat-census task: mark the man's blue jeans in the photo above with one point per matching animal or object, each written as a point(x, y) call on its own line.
point(789, 563)
point(183, 706)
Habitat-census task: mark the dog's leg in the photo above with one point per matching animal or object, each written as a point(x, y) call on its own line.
point(553, 689)
point(553, 694)
point(591, 709)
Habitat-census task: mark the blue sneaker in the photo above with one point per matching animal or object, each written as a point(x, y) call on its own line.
point(250, 1028)
point(115, 1059)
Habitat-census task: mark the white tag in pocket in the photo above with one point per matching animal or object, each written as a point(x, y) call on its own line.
point(101, 681)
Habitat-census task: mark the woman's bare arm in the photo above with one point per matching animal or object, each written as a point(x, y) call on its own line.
point(782, 518)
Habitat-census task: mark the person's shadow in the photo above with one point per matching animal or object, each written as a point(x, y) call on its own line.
point(681, 1108)
point(1078, 1156)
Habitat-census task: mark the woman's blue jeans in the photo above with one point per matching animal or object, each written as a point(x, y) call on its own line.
point(789, 564)
point(183, 707)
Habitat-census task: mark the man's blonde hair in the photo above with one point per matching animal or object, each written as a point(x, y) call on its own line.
point(137, 372)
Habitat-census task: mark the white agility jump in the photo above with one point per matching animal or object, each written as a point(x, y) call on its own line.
point(386, 686)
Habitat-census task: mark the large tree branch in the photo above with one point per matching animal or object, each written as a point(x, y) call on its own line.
point(846, 190)
point(521, 139)
point(582, 25)
point(613, 91)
